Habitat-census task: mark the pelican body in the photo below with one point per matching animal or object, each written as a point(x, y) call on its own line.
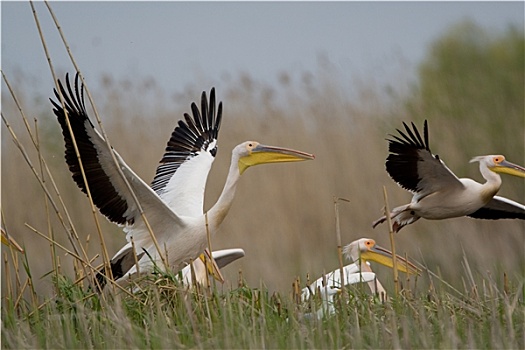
point(438, 193)
point(173, 204)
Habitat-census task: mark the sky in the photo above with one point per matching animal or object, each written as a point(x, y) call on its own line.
point(182, 44)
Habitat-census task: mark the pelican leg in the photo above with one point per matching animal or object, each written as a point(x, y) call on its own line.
point(401, 216)
point(380, 221)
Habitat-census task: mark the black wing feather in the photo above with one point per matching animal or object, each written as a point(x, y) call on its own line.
point(500, 208)
point(405, 154)
point(104, 195)
point(191, 136)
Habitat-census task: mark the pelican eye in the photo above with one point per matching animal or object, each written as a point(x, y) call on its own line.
point(498, 160)
point(214, 151)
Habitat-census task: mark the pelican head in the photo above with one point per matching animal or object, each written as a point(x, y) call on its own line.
point(253, 153)
point(366, 249)
point(498, 164)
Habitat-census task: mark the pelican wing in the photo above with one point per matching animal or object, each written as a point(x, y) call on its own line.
point(352, 275)
point(180, 178)
point(222, 258)
point(107, 187)
point(500, 208)
point(226, 256)
point(412, 165)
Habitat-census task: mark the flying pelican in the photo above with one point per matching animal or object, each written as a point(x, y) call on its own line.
point(173, 205)
point(360, 252)
point(201, 270)
point(10, 241)
point(438, 193)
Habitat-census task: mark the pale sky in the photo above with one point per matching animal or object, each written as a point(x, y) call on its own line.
point(188, 43)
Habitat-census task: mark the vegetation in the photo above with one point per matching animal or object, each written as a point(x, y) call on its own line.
point(471, 295)
point(166, 315)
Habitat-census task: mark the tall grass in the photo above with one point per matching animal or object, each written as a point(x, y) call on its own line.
point(168, 316)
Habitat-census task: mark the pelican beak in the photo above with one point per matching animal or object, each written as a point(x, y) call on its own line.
point(10, 242)
point(506, 167)
point(262, 154)
point(384, 257)
point(211, 265)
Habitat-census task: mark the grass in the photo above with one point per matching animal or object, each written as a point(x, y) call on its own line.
point(471, 294)
point(167, 315)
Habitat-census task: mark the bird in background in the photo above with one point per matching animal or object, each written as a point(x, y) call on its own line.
point(173, 204)
point(438, 193)
point(360, 252)
point(202, 270)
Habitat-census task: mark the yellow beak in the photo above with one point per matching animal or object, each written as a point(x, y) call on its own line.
point(385, 257)
point(509, 168)
point(268, 154)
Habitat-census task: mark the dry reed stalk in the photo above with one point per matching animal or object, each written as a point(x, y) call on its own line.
point(208, 313)
point(240, 282)
point(338, 239)
point(34, 297)
point(208, 238)
point(14, 257)
point(470, 276)
point(135, 258)
point(106, 139)
point(20, 294)
point(84, 263)
point(72, 235)
point(46, 204)
point(9, 287)
point(192, 274)
point(392, 242)
point(505, 283)
point(191, 315)
point(73, 138)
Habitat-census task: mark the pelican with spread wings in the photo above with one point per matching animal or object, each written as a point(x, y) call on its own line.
point(438, 193)
point(173, 204)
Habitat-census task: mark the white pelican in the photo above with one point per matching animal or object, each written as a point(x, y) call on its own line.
point(10, 241)
point(359, 252)
point(173, 205)
point(201, 271)
point(438, 193)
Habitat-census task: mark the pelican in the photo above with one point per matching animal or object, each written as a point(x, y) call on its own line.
point(360, 252)
point(10, 241)
point(173, 204)
point(201, 270)
point(438, 193)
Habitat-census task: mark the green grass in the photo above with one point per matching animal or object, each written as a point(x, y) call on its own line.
point(167, 315)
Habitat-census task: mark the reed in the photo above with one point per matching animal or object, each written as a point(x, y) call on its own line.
point(470, 294)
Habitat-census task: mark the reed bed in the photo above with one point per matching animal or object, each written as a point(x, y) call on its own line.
point(470, 294)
